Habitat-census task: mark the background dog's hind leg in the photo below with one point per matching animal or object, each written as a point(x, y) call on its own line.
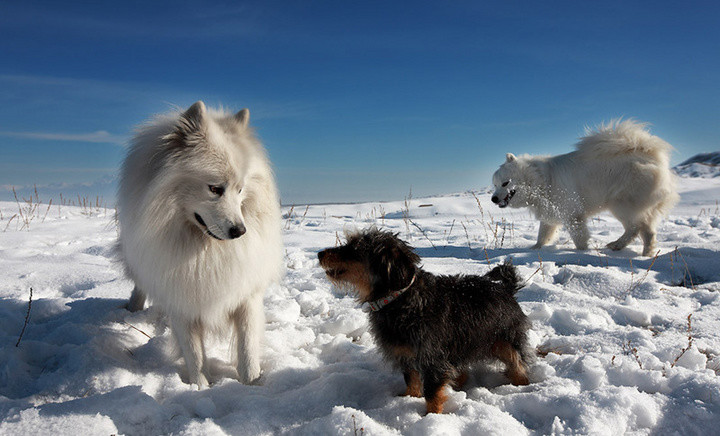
point(631, 231)
point(546, 234)
point(249, 323)
point(189, 336)
point(647, 232)
point(137, 300)
point(516, 371)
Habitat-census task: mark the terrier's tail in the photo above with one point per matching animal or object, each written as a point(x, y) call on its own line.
point(507, 274)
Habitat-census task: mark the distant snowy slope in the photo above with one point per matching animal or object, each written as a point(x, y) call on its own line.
point(704, 165)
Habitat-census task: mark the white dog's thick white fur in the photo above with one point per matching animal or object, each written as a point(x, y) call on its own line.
point(200, 230)
point(619, 167)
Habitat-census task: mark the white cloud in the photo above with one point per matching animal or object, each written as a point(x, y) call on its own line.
point(100, 137)
point(104, 187)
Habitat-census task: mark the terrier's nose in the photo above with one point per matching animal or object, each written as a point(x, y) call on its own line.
point(236, 231)
point(321, 255)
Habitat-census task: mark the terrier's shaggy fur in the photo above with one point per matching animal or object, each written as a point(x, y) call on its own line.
point(437, 325)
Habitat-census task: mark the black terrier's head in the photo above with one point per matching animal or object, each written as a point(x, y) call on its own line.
point(372, 261)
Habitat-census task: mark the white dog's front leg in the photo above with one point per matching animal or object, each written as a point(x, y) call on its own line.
point(137, 300)
point(546, 234)
point(249, 321)
point(189, 338)
point(579, 233)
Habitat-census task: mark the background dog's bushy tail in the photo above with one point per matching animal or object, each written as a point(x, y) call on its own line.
point(508, 275)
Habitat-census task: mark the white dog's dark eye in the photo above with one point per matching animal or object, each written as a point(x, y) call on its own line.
point(216, 189)
point(506, 183)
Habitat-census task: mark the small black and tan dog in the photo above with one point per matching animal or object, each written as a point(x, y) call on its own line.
point(432, 327)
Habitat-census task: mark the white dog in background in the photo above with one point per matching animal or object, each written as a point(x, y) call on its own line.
point(200, 230)
point(619, 167)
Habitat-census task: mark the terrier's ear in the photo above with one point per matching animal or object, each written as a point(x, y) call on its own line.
point(510, 157)
point(242, 118)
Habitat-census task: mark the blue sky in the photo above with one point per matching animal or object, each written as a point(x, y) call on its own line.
point(354, 100)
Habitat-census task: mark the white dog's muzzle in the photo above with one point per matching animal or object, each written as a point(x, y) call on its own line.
point(503, 200)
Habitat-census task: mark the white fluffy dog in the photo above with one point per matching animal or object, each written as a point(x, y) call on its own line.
point(200, 231)
point(619, 167)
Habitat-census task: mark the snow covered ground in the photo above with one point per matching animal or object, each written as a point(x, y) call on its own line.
point(626, 344)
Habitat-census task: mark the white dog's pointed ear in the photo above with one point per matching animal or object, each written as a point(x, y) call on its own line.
point(510, 157)
point(242, 118)
point(195, 113)
point(190, 122)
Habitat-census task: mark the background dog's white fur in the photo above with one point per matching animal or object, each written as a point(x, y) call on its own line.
point(202, 278)
point(619, 167)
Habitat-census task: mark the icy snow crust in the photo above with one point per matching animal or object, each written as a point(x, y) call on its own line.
point(611, 329)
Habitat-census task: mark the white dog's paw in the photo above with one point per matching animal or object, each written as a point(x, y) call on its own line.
point(536, 247)
point(250, 374)
point(650, 252)
point(200, 380)
point(615, 245)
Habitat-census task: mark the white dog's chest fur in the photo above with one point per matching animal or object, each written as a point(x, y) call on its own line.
point(204, 279)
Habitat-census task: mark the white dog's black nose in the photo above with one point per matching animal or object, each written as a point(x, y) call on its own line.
point(495, 199)
point(236, 231)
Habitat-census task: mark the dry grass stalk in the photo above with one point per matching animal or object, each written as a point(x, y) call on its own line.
point(477, 200)
point(135, 328)
point(406, 215)
point(467, 236)
point(687, 269)
point(355, 428)
point(9, 221)
point(289, 216)
point(690, 341)
point(27, 319)
point(628, 349)
point(539, 269)
point(305, 213)
point(633, 286)
point(447, 237)
point(423, 233)
point(504, 227)
point(544, 350)
point(46, 211)
point(27, 210)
